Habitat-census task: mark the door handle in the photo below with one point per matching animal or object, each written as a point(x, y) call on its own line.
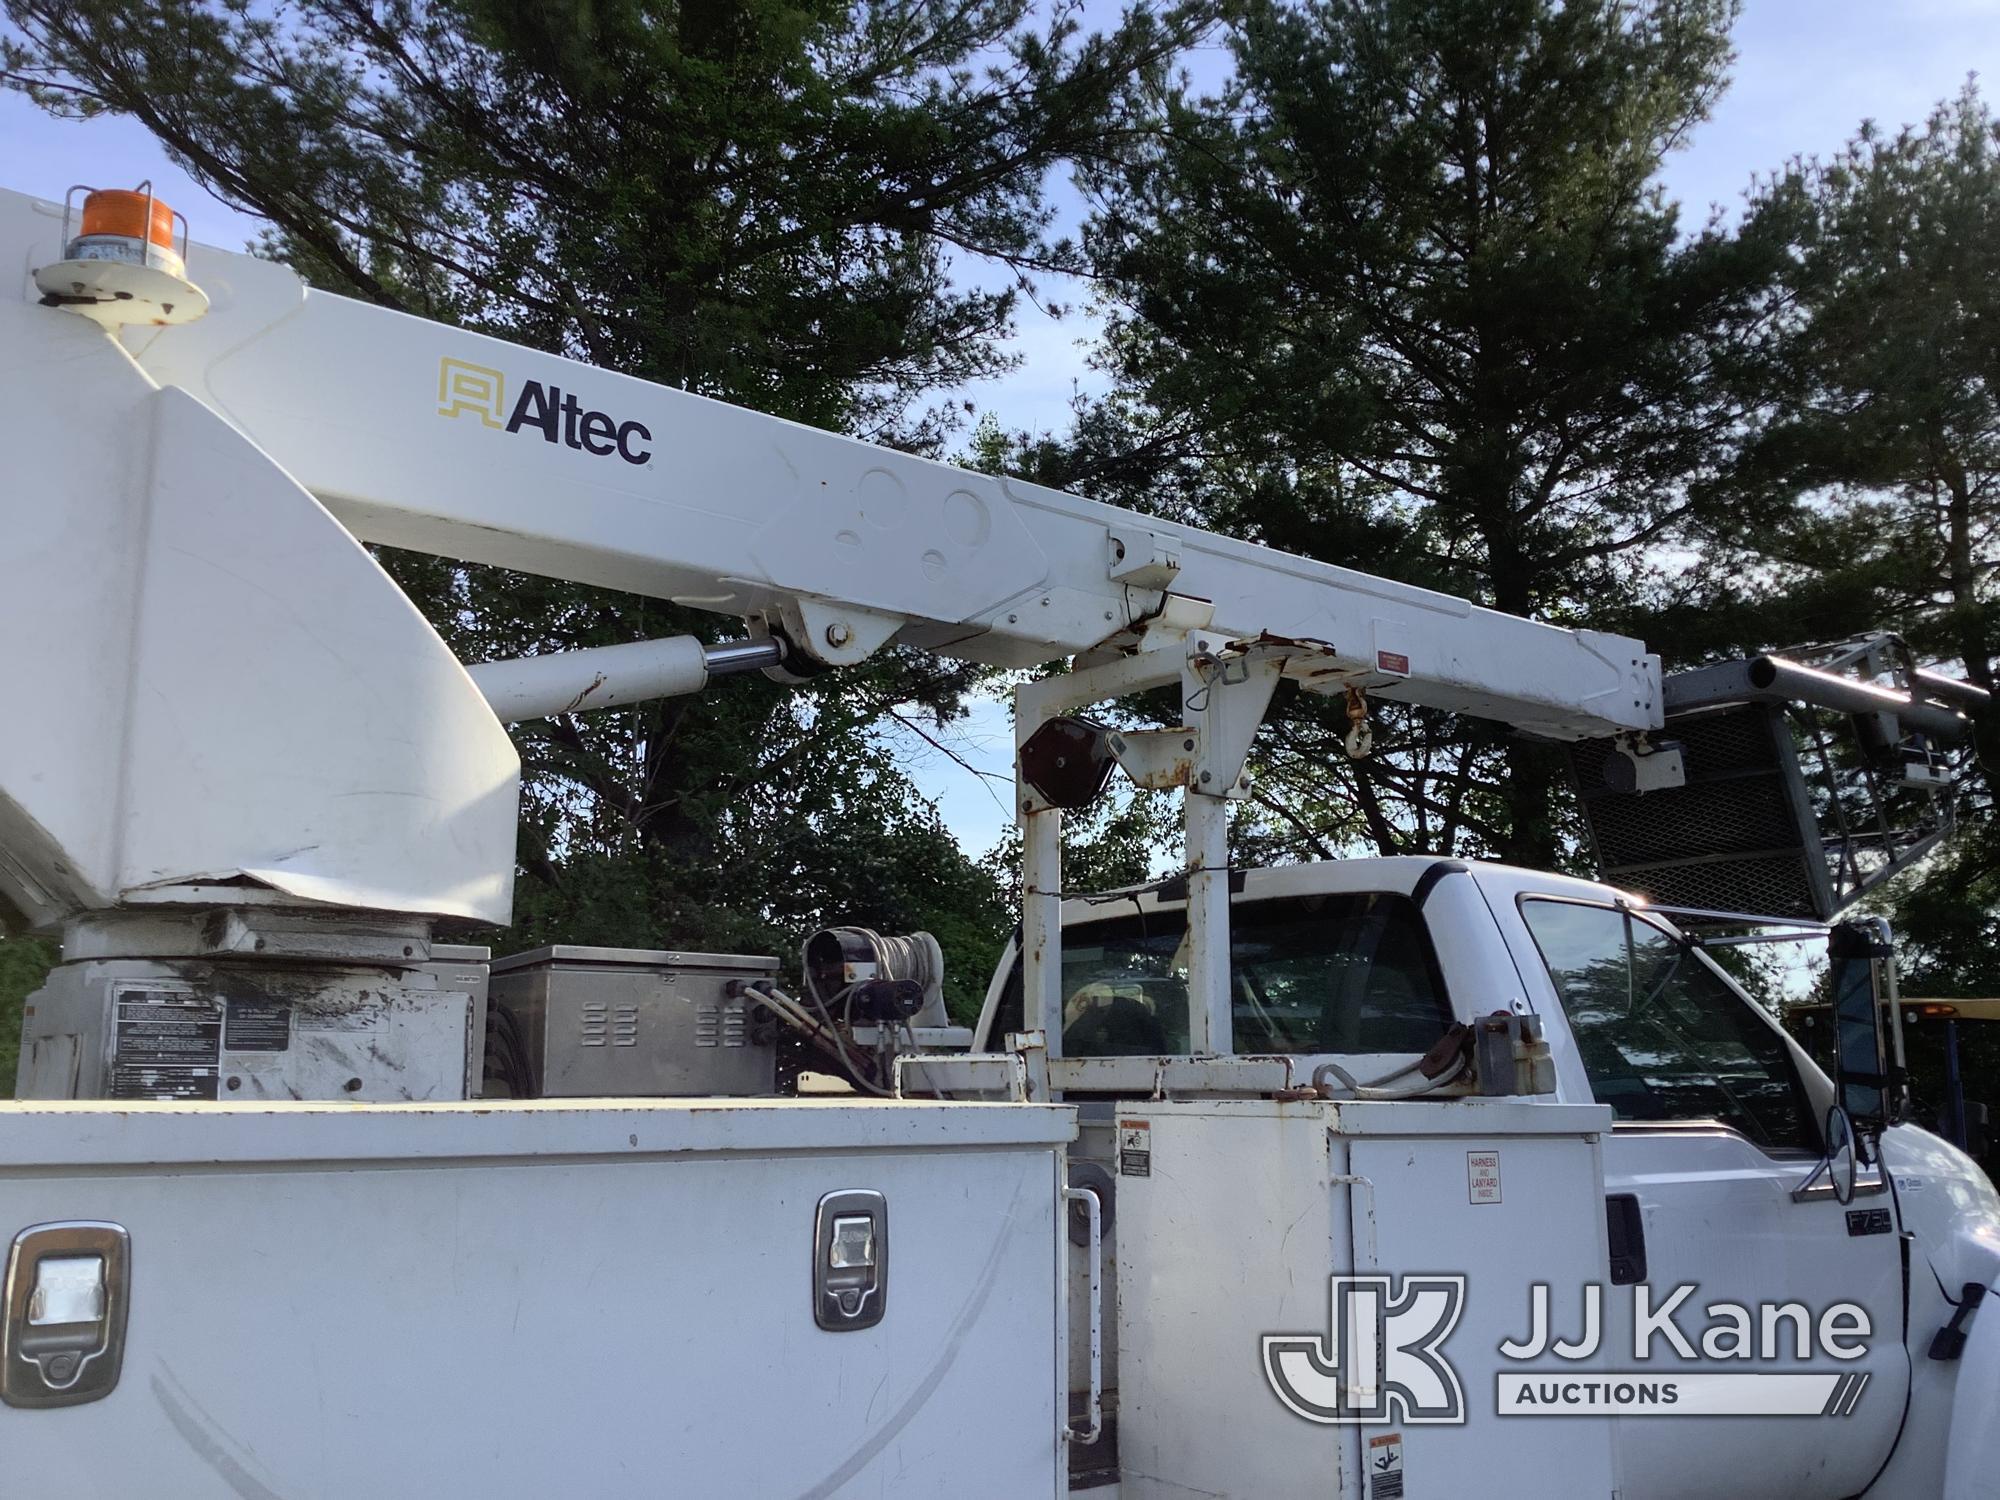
point(1625, 1233)
point(66, 1290)
point(850, 1260)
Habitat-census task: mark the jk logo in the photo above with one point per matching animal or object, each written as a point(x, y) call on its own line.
point(1380, 1361)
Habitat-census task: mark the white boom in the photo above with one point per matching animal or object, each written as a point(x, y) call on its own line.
point(418, 435)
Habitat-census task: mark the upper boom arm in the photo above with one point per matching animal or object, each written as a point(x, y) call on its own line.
point(423, 436)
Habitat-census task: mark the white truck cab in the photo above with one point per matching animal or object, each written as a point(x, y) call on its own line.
point(1712, 1165)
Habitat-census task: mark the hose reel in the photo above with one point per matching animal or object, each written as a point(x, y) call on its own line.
point(870, 976)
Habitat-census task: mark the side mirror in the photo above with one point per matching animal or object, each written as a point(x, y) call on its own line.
point(1842, 1160)
point(1855, 955)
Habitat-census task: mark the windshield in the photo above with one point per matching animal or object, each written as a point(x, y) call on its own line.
point(1661, 1036)
point(1347, 972)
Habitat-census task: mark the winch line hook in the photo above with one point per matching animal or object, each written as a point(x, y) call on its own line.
point(1360, 733)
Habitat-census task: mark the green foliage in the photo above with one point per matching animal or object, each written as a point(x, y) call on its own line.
point(1404, 295)
point(1946, 914)
point(1870, 494)
point(1874, 483)
point(23, 963)
point(1117, 842)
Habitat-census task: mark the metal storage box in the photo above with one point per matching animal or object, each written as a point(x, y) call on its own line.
point(1234, 1215)
point(191, 1027)
point(638, 1023)
point(527, 1300)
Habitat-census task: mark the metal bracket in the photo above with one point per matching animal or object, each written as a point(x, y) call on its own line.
point(1225, 693)
point(1156, 759)
point(1180, 614)
point(840, 635)
point(1225, 690)
point(1654, 765)
point(1143, 559)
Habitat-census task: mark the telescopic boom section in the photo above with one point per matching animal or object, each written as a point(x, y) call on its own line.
point(421, 436)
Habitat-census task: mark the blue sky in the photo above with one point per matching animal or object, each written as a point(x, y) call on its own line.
point(1808, 72)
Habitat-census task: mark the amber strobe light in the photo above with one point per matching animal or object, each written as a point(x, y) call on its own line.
point(120, 264)
point(129, 224)
point(123, 211)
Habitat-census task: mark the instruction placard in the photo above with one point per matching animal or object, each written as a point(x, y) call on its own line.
point(167, 1043)
point(1482, 1176)
point(256, 1026)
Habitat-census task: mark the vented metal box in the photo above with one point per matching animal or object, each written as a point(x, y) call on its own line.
point(1742, 835)
point(638, 1023)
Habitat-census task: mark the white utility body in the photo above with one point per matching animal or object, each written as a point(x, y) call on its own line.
point(331, 1301)
point(250, 788)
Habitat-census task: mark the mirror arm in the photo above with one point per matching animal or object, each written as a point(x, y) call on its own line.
point(1899, 1105)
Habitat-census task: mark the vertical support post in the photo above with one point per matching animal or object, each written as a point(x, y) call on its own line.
point(1210, 1025)
point(1035, 703)
point(1224, 694)
point(1041, 919)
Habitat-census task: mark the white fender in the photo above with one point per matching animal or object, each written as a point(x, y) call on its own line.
point(1950, 1442)
point(1972, 1453)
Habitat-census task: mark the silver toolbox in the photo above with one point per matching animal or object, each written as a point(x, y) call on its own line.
point(637, 1023)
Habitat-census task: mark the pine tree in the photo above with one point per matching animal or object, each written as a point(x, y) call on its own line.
point(1871, 495)
point(1405, 295)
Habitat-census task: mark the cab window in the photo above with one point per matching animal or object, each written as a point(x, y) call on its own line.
point(1336, 972)
point(1660, 1034)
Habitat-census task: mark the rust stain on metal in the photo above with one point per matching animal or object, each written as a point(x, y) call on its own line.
point(1137, 753)
point(1266, 639)
point(577, 702)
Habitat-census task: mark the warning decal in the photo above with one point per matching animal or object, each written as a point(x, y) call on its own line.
point(257, 1026)
point(1482, 1177)
point(167, 1044)
point(1385, 1467)
point(1135, 1148)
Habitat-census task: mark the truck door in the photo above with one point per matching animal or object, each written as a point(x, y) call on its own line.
point(1717, 1135)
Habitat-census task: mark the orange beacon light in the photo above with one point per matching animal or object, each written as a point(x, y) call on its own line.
point(122, 266)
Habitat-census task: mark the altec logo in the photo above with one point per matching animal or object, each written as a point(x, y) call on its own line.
point(467, 390)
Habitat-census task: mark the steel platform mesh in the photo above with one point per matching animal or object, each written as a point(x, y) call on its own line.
point(1741, 835)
